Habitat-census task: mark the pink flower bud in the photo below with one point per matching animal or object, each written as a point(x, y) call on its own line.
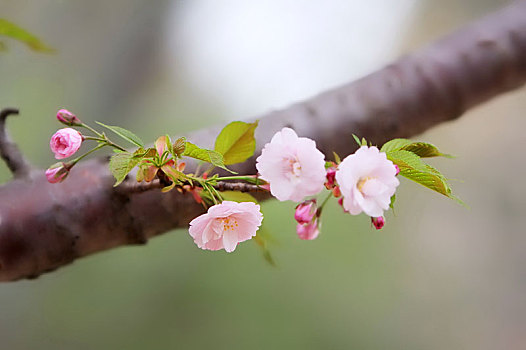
point(397, 169)
point(305, 211)
point(309, 231)
point(331, 178)
point(65, 142)
point(57, 173)
point(66, 117)
point(378, 222)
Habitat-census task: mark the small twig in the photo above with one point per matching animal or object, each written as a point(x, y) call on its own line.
point(238, 186)
point(138, 187)
point(9, 151)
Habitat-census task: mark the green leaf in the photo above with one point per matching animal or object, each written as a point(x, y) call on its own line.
point(125, 134)
point(424, 150)
point(337, 158)
point(261, 239)
point(206, 155)
point(412, 167)
point(357, 139)
point(13, 31)
point(179, 146)
point(236, 196)
point(406, 160)
point(255, 181)
point(393, 199)
point(121, 164)
point(236, 142)
point(394, 145)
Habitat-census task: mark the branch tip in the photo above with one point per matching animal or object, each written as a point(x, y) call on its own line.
point(9, 151)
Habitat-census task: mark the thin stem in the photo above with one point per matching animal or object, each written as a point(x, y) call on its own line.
point(323, 203)
point(91, 129)
point(225, 178)
point(74, 161)
point(93, 138)
point(106, 141)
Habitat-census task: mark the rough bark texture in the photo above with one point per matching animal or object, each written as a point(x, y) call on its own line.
point(44, 226)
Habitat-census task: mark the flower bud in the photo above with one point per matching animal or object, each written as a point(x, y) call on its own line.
point(305, 211)
point(397, 169)
point(66, 117)
point(330, 177)
point(57, 173)
point(378, 222)
point(309, 231)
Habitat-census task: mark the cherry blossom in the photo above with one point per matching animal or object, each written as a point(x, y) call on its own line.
point(292, 165)
point(225, 225)
point(367, 180)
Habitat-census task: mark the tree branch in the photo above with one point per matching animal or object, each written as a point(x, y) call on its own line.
point(9, 150)
point(44, 226)
point(131, 187)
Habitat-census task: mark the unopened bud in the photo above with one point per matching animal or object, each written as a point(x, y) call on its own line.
point(397, 169)
point(331, 178)
point(309, 231)
point(305, 211)
point(57, 173)
point(378, 222)
point(66, 117)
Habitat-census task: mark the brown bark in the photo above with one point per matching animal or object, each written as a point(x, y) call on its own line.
point(44, 226)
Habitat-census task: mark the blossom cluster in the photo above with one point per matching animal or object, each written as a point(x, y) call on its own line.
point(295, 169)
point(290, 167)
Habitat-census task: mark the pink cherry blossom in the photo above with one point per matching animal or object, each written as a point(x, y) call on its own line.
point(305, 212)
point(367, 180)
point(292, 165)
point(309, 231)
point(65, 142)
point(378, 222)
point(57, 173)
point(225, 225)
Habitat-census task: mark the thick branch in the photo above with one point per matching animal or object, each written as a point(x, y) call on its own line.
point(8, 149)
point(44, 226)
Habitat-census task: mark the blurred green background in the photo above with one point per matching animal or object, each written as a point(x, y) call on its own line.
point(437, 276)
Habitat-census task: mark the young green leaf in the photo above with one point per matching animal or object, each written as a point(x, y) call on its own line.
point(357, 139)
point(255, 180)
point(393, 199)
point(406, 160)
point(413, 168)
point(13, 31)
point(424, 150)
point(206, 155)
point(337, 158)
point(236, 196)
point(121, 164)
point(236, 142)
point(261, 239)
point(395, 144)
point(179, 146)
point(125, 134)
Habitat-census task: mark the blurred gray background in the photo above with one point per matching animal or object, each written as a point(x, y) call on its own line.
point(438, 276)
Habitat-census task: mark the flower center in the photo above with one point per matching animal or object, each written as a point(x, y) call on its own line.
point(229, 224)
point(293, 169)
point(362, 181)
